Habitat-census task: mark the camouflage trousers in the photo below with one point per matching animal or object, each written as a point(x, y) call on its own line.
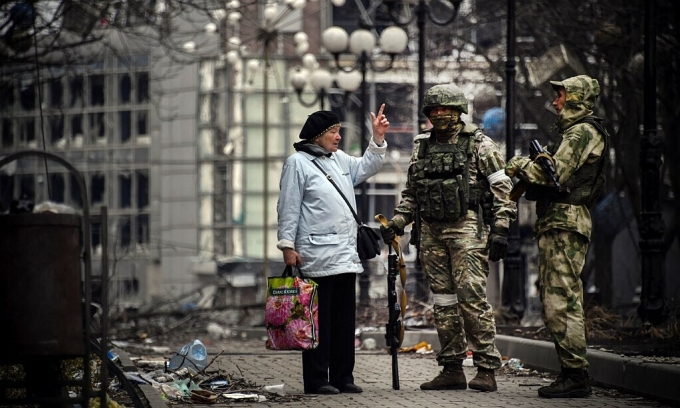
point(456, 265)
point(561, 257)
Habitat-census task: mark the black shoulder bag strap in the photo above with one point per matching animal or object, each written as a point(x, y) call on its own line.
point(356, 217)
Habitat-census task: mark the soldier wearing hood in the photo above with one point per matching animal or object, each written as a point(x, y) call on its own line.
point(457, 192)
point(563, 226)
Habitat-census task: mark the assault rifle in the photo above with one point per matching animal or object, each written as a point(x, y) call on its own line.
point(544, 160)
point(394, 330)
point(393, 327)
point(540, 156)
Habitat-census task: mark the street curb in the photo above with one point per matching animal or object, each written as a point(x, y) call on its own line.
point(153, 397)
point(125, 361)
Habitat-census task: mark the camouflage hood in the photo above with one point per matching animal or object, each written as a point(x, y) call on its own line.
point(582, 92)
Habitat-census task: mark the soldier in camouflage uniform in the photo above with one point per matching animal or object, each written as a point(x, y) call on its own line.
point(563, 226)
point(456, 193)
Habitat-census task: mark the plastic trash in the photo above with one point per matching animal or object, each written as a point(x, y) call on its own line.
point(515, 364)
point(468, 362)
point(113, 356)
point(219, 384)
point(192, 355)
point(275, 389)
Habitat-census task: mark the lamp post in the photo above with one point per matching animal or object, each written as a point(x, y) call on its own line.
point(361, 45)
point(513, 292)
point(422, 12)
point(653, 308)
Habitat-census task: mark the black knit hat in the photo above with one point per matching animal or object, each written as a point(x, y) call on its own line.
point(318, 123)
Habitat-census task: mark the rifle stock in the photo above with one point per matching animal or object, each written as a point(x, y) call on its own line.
point(517, 190)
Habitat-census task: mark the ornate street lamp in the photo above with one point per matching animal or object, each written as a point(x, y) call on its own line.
point(324, 85)
point(321, 81)
point(422, 11)
point(361, 46)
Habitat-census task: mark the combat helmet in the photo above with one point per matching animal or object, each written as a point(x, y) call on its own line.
point(445, 95)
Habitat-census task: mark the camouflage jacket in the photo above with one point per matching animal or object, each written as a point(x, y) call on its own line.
point(581, 143)
point(487, 162)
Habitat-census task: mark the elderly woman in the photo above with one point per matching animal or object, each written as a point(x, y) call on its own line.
point(317, 232)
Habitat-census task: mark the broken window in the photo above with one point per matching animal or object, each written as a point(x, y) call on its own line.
point(26, 132)
point(56, 92)
point(97, 188)
point(77, 129)
point(57, 187)
point(142, 188)
point(97, 90)
point(96, 239)
point(76, 194)
point(27, 95)
point(27, 186)
point(7, 92)
point(56, 128)
point(142, 87)
point(125, 125)
point(143, 229)
point(7, 133)
point(6, 191)
point(125, 190)
point(125, 86)
point(128, 286)
point(124, 232)
point(97, 127)
point(142, 123)
point(75, 86)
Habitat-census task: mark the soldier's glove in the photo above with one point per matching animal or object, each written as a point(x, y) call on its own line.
point(389, 232)
point(497, 243)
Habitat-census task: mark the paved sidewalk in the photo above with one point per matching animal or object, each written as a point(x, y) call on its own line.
point(374, 374)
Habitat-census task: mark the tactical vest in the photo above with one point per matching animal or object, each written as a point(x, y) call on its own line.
point(441, 177)
point(585, 185)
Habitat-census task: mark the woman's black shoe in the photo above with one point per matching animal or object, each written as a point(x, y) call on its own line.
point(324, 389)
point(351, 389)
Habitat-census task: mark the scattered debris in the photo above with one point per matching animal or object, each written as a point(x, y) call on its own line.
point(421, 348)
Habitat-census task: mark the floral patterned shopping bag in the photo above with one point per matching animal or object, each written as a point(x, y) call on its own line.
point(291, 314)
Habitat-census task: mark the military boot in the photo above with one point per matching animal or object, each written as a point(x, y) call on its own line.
point(571, 383)
point(485, 380)
point(452, 377)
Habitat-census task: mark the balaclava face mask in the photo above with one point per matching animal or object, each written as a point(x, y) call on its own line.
point(446, 124)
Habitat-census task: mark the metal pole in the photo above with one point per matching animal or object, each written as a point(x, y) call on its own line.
point(265, 178)
point(513, 297)
point(364, 280)
point(421, 292)
point(653, 308)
